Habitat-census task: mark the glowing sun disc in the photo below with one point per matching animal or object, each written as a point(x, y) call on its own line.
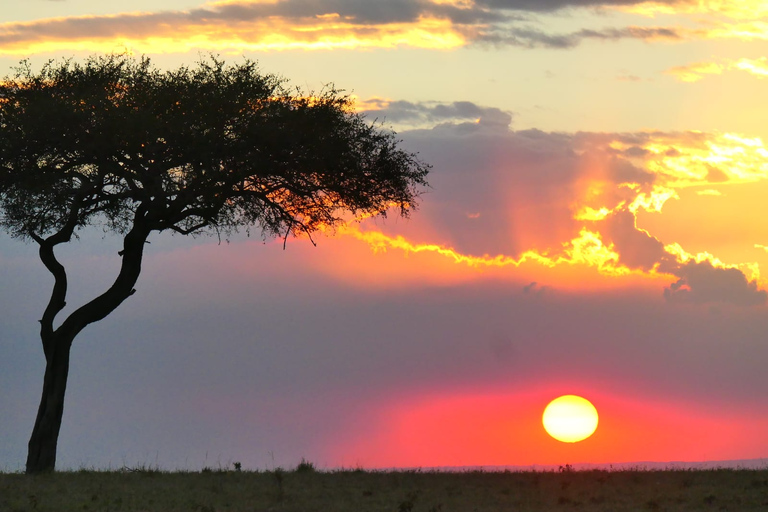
point(570, 418)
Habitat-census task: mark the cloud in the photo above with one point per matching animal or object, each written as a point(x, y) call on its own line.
point(701, 282)
point(758, 67)
point(255, 25)
point(529, 37)
point(432, 112)
point(637, 249)
point(554, 5)
point(699, 70)
point(569, 201)
point(734, 9)
point(625, 77)
point(237, 26)
point(696, 71)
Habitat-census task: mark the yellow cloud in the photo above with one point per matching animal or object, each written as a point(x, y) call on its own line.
point(736, 9)
point(706, 158)
point(749, 31)
point(757, 67)
point(589, 213)
point(731, 19)
point(697, 71)
point(653, 200)
point(587, 249)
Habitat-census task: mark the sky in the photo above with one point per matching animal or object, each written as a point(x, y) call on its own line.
point(593, 226)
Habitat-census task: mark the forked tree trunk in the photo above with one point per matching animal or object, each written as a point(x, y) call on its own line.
point(41, 456)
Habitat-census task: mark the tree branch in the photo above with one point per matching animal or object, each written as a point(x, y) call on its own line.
point(58, 298)
point(57, 302)
point(191, 229)
point(121, 289)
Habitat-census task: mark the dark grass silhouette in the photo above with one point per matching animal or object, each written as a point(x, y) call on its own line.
point(304, 490)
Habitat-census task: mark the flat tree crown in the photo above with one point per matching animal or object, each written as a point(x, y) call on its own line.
point(117, 142)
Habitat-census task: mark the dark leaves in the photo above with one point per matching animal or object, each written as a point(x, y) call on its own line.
point(115, 141)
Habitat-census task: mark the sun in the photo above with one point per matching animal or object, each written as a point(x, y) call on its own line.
point(570, 418)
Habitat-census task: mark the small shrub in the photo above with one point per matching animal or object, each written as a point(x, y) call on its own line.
point(305, 467)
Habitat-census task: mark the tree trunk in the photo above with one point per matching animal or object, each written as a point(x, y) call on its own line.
point(41, 456)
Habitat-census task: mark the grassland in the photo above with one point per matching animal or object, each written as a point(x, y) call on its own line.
point(306, 490)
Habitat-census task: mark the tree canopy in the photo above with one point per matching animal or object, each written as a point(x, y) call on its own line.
point(118, 143)
point(116, 140)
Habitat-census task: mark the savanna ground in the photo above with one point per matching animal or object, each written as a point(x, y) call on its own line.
point(305, 489)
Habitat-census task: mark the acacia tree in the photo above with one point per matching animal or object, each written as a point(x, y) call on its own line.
point(117, 143)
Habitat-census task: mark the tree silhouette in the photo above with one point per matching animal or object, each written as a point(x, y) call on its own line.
point(117, 143)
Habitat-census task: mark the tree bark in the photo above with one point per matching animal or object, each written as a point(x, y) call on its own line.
point(41, 455)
